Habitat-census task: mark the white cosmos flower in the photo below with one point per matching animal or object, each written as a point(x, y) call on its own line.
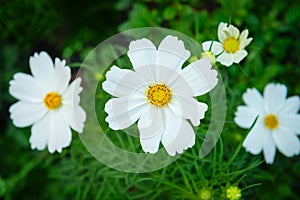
point(159, 94)
point(231, 43)
point(47, 102)
point(277, 124)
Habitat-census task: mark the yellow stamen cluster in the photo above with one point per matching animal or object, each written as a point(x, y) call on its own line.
point(159, 95)
point(271, 121)
point(231, 45)
point(52, 101)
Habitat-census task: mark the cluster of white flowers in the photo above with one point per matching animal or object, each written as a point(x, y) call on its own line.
point(159, 94)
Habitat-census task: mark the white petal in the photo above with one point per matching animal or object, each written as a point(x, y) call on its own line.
point(25, 114)
point(172, 53)
point(269, 149)
point(74, 116)
point(245, 116)
point(286, 141)
point(124, 111)
point(239, 55)
point(178, 135)
point(60, 135)
point(62, 75)
point(157, 74)
point(275, 97)
point(121, 82)
point(254, 100)
point(71, 95)
point(151, 127)
point(233, 31)
point(292, 105)
point(199, 76)
point(290, 121)
point(243, 39)
point(142, 52)
point(26, 88)
point(42, 69)
point(215, 47)
point(40, 132)
point(255, 139)
point(221, 34)
point(225, 59)
point(188, 108)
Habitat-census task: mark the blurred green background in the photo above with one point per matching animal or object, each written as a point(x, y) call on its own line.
point(70, 29)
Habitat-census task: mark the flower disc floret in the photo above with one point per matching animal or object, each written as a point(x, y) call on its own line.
point(159, 95)
point(52, 101)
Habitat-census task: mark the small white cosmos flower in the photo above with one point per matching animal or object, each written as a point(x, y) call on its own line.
point(277, 124)
point(47, 102)
point(231, 43)
point(159, 94)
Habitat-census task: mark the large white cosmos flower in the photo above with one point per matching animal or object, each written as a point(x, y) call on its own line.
point(47, 102)
point(231, 46)
point(277, 124)
point(159, 94)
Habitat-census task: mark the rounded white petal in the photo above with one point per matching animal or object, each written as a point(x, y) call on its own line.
point(40, 132)
point(254, 100)
point(269, 149)
point(178, 135)
point(290, 121)
point(233, 31)
point(215, 47)
point(255, 139)
point(188, 108)
point(42, 68)
point(292, 105)
point(71, 94)
point(221, 34)
point(274, 97)
point(286, 141)
point(239, 55)
point(151, 127)
point(225, 59)
point(124, 111)
point(74, 116)
point(172, 53)
point(245, 116)
point(244, 41)
point(62, 75)
point(60, 134)
point(142, 52)
point(121, 82)
point(26, 88)
point(206, 46)
point(198, 76)
point(25, 114)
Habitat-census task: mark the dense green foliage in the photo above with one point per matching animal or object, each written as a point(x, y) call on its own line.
point(70, 29)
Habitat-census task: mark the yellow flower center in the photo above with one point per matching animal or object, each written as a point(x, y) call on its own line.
point(52, 101)
point(231, 45)
point(233, 193)
point(271, 121)
point(159, 95)
point(211, 57)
